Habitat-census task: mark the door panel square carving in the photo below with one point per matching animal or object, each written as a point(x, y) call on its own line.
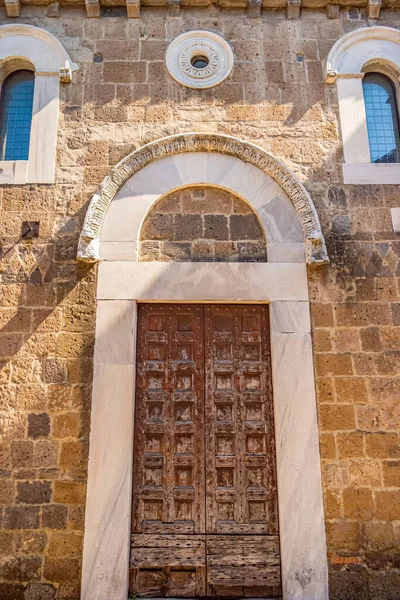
point(204, 500)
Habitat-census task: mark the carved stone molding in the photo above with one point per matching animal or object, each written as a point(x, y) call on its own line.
point(207, 45)
point(89, 242)
point(355, 49)
point(38, 46)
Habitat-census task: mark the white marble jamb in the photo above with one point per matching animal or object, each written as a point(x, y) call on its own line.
point(42, 147)
point(290, 317)
point(105, 570)
point(353, 120)
point(301, 516)
point(119, 251)
point(395, 214)
point(293, 252)
point(202, 282)
point(115, 325)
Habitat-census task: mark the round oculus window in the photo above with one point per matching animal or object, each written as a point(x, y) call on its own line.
point(199, 59)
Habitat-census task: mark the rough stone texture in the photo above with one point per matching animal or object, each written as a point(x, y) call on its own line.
point(120, 99)
point(202, 224)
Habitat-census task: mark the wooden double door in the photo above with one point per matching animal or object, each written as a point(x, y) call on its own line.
point(204, 519)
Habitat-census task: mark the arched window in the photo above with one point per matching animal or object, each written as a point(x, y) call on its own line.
point(382, 118)
point(16, 115)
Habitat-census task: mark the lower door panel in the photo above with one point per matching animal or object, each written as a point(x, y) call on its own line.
point(243, 566)
point(198, 565)
point(168, 566)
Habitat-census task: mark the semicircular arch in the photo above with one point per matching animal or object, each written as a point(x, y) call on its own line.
point(148, 160)
point(36, 45)
point(354, 50)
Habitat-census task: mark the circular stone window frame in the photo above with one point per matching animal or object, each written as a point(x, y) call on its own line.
point(186, 46)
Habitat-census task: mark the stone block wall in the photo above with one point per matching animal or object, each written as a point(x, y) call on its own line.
point(120, 99)
point(202, 224)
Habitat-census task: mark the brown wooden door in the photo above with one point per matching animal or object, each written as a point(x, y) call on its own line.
point(204, 519)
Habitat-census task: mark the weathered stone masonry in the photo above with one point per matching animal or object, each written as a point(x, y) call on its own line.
point(120, 99)
point(202, 224)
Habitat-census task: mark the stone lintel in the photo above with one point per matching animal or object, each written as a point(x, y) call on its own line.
point(254, 9)
point(13, 8)
point(374, 9)
point(92, 8)
point(293, 9)
point(133, 9)
point(333, 11)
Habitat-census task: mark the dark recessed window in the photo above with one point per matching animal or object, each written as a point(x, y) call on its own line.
point(16, 115)
point(199, 62)
point(382, 118)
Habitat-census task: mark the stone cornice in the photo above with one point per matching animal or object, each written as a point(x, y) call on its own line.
point(293, 8)
point(89, 242)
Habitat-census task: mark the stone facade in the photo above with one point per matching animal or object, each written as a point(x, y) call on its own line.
point(121, 98)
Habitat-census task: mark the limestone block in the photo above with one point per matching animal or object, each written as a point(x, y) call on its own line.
point(92, 8)
point(293, 9)
point(133, 9)
point(254, 9)
point(53, 9)
point(332, 11)
point(13, 8)
point(174, 8)
point(374, 9)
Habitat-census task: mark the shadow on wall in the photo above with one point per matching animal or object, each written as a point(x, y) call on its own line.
point(46, 347)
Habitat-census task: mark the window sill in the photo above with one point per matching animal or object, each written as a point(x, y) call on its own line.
point(13, 171)
point(19, 172)
point(371, 173)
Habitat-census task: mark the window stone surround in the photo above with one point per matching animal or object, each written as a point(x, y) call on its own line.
point(22, 45)
point(374, 47)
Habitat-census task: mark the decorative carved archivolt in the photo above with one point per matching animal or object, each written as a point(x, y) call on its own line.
point(89, 242)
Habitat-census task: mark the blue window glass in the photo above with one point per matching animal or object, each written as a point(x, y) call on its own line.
point(382, 118)
point(16, 115)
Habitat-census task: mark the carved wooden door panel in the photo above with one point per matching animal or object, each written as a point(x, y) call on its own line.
point(204, 519)
point(168, 472)
point(241, 499)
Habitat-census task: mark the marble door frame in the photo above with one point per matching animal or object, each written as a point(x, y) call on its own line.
point(284, 286)
point(111, 232)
